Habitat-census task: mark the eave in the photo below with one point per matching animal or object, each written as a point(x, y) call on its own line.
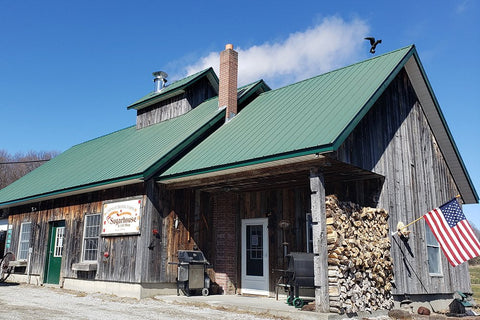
point(123, 181)
point(167, 92)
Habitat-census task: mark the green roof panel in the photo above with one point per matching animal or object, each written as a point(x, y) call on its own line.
point(314, 114)
point(121, 155)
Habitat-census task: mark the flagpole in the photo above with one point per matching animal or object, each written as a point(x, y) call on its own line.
point(416, 220)
point(404, 227)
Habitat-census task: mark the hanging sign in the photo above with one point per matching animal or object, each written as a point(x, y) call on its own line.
point(122, 217)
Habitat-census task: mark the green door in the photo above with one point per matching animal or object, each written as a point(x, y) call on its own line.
point(54, 252)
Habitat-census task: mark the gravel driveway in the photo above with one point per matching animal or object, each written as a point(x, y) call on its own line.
point(34, 302)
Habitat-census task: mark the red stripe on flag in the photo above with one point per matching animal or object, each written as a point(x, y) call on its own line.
point(431, 219)
point(459, 242)
point(461, 256)
point(472, 241)
point(462, 242)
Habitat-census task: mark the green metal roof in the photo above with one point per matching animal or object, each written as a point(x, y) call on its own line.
point(122, 155)
point(248, 90)
point(313, 115)
point(174, 89)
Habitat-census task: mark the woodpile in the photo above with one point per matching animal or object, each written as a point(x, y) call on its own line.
point(360, 268)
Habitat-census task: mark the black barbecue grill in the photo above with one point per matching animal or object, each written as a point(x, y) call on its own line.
point(298, 275)
point(192, 274)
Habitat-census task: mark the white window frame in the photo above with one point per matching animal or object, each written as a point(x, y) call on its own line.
point(436, 246)
point(59, 240)
point(22, 241)
point(88, 216)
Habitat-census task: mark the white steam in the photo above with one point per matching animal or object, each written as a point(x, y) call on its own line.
point(331, 44)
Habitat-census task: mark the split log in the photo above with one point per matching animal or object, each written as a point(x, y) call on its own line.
point(360, 268)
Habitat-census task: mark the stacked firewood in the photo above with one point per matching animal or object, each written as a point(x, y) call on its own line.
point(360, 268)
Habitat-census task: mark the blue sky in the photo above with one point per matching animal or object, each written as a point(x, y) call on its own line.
point(68, 69)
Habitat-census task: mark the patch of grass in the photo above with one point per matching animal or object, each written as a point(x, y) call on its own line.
point(476, 290)
point(475, 281)
point(474, 274)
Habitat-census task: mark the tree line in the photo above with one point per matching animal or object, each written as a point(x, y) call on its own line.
point(15, 166)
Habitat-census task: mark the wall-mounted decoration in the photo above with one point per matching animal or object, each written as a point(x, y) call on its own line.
point(122, 217)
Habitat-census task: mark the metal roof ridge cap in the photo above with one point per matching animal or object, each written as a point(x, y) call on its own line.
point(412, 46)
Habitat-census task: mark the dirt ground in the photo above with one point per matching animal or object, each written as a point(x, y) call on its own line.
point(25, 302)
point(33, 302)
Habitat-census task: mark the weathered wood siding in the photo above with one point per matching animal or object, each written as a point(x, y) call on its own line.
point(122, 265)
point(180, 205)
point(394, 140)
point(199, 227)
point(204, 221)
point(177, 105)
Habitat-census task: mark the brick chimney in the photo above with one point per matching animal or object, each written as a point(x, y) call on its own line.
point(227, 91)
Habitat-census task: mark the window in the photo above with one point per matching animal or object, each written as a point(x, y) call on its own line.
point(309, 233)
point(255, 242)
point(433, 252)
point(90, 237)
point(24, 244)
point(59, 236)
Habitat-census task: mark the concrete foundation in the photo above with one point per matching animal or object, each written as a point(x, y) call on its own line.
point(23, 278)
point(433, 302)
point(129, 290)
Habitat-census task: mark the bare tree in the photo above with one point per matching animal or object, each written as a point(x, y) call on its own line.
point(13, 167)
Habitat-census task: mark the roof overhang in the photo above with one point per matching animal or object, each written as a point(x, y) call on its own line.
point(182, 181)
point(156, 99)
point(440, 129)
point(169, 92)
point(287, 172)
point(71, 192)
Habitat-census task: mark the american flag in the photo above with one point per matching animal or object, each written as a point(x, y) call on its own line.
point(453, 232)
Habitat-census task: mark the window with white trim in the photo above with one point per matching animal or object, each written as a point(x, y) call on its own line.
point(91, 235)
point(24, 243)
point(433, 253)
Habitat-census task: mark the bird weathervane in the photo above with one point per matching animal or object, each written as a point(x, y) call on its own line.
point(373, 43)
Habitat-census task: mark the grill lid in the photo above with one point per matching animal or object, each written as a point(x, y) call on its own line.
point(191, 256)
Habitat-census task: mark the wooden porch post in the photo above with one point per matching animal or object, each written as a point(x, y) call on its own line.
point(319, 230)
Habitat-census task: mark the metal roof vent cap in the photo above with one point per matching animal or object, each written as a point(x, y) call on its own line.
point(160, 79)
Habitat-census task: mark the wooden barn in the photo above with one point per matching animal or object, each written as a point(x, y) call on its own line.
point(328, 166)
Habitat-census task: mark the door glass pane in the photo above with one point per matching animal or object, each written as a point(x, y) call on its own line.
point(254, 250)
point(59, 242)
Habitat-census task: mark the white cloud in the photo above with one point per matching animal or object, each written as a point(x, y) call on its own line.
point(331, 44)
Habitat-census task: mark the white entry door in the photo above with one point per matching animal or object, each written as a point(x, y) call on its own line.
point(255, 256)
